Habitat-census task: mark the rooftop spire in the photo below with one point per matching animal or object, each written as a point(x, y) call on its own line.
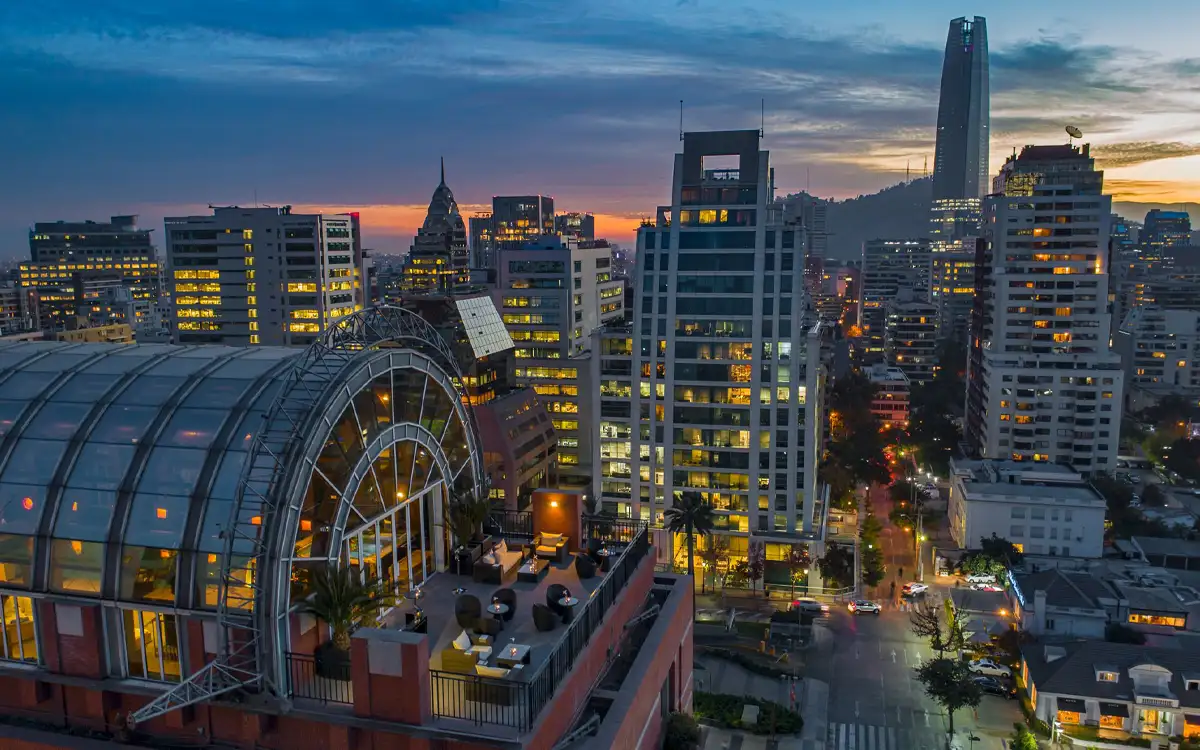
point(443, 170)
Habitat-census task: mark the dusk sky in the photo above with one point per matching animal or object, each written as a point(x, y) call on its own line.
point(160, 108)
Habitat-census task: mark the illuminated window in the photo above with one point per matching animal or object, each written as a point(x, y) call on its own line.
point(305, 314)
point(249, 260)
point(254, 338)
point(151, 645)
point(296, 286)
point(304, 327)
point(1169, 621)
point(247, 234)
point(18, 629)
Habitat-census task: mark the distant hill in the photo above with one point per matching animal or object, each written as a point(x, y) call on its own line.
point(1137, 211)
point(899, 211)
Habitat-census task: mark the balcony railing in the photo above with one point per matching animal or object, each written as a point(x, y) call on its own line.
point(493, 701)
point(305, 682)
point(510, 523)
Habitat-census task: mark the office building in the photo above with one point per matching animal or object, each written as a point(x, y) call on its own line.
point(262, 275)
point(729, 375)
point(893, 392)
point(479, 227)
point(552, 293)
point(1165, 229)
point(517, 219)
point(439, 259)
point(812, 215)
point(18, 308)
point(1042, 383)
point(952, 290)
point(960, 162)
point(888, 267)
point(66, 257)
point(1160, 352)
point(612, 451)
point(911, 336)
point(166, 509)
point(580, 226)
point(1044, 510)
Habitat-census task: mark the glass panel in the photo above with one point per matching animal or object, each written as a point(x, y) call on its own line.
point(9, 411)
point(217, 393)
point(387, 551)
point(34, 461)
point(225, 483)
point(409, 391)
point(56, 363)
point(421, 467)
point(84, 388)
point(436, 409)
point(208, 579)
point(21, 508)
point(76, 566)
point(316, 516)
point(385, 475)
point(56, 421)
point(165, 647)
point(20, 643)
point(101, 466)
point(118, 363)
point(192, 428)
point(16, 559)
point(148, 574)
point(13, 356)
point(246, 368)
point(367, 501)
point(454, 444)
point(25, 386)
point(183, 365)
point(135, 663)
point(403, 569)
point(157, 520)
point(348, 436)
point(403, 468)
point(370, 553)
point(84, 514)
point(172, 471)
point(149, 390)
point(216, 518)
point(123, 424)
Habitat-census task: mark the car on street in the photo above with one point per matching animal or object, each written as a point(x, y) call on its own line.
point(864, 607)
point(986, 587)
point(981, 578)
point(912, 589)
point(989, 668)
point(809, 605)
point(992, 686)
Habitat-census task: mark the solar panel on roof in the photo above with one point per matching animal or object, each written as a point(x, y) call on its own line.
point(485, 329)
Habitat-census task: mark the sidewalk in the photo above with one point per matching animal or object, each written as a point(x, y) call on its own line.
point(812, 697)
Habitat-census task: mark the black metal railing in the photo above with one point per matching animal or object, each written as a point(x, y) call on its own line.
point(484, 700)
point(331, 685)
point(611, 528)
point(510, 523)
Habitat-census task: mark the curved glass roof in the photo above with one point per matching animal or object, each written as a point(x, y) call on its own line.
point(101, 443)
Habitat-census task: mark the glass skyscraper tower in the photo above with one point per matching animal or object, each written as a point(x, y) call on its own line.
point(960, 162)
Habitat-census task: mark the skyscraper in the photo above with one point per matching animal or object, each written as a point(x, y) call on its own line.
point(960, 162)
point(439, 259)
point(1042, 383)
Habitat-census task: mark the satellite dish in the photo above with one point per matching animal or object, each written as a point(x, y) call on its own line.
point(1074, 132)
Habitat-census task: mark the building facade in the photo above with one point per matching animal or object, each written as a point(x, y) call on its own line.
point(889, 267)
point(249, 276)
point(911, 336)
point(1160, 353)
point(952, 289)
point(892, 395)
point(960, 162)
point(1042, 383)
point(439, 259)
point(1044, 510)
point(728, 374)
point(552, 294)
point(580, 225)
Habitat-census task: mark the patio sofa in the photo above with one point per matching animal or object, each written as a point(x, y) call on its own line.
point(551, 546)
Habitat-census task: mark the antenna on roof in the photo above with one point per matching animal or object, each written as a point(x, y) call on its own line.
point(762, 118)
point(681, 119)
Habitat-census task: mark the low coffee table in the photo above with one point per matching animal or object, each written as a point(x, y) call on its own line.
point(512, 655)
point(532, 571)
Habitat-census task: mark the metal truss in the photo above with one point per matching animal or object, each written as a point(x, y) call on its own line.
point(253, 598)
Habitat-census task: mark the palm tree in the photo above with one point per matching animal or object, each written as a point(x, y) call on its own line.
point(690, 516)
point(344, 601)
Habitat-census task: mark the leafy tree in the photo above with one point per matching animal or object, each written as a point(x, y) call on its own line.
point(1183, 458)
point(945, 629)
point(1000, 549)
point(1022, 738)
point(1116, 632)
point(1153, 496)
point(870, 550)
point(715, 551)
point(837, 565)
point(690, 516)
point(977, 563)
point(344, 601)
point(948, 681)
point(798, 562)
point(756, 565)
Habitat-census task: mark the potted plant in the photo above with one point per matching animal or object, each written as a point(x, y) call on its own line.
point(343, 601)
point(465, 516)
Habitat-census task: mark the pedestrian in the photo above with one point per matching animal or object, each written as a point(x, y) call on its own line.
point(900, 573)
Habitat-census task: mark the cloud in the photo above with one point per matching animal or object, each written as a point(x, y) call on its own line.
point(1113, 155)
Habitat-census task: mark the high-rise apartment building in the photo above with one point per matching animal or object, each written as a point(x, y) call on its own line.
point(1043, 384)
point(479, 227)
point(911, 336)
point(581, 226)
point(66, 257)
point(888, 267)
point(960, 162)
point(1160, 349)
point(517, 219)
point(1165, 229)
point(261, 275)
point(952, 290)
point(18, 309)
point(727, 376)
point(439, 260)
point(552, 293)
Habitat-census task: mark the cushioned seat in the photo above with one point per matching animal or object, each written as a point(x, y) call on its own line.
point(509, 597)
point(584, 567)
point(497, 566)
point(555, 592)
point(544, 618)
point(551, 546)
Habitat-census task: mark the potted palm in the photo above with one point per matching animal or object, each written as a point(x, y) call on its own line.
point(465, 516)
point(343, 600)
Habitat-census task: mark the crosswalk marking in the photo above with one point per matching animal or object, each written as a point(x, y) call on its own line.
point(862, 737)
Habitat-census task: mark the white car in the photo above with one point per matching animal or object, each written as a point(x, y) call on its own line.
point(809, 605)
point(864, 607)
point(912, 589)
point(987, 587)
point(981, 578)
point(989, 668)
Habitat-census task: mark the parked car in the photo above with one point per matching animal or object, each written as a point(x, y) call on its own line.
point(986, 587)
point(989, 668)
point(912, 589)
point(864, 607)
point(809, 605)
point(993, 686)
point(981, 578)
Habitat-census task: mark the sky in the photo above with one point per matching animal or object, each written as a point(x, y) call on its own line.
point(163, 107)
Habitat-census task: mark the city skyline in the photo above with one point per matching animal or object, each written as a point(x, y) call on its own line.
point(311, 113)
